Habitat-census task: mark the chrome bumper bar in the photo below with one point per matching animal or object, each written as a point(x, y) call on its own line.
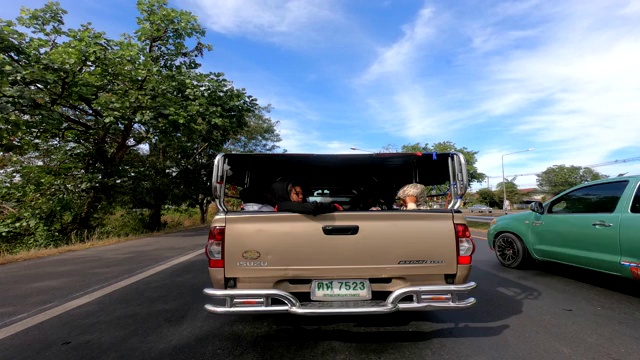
point(414, 298)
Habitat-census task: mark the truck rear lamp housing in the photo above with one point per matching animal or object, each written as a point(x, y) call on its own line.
point(466, 247)
point(215, 247)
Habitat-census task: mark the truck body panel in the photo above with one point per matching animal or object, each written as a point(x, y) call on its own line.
point(386, 244)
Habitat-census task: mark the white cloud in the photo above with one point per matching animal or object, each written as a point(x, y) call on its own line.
point(298, 139)
point(561, 77)
point(512, 8)
point(288, 21)
point(579, 92)
point(564, 78)
point(397, 57)
point(485, 39)
point(401, 104)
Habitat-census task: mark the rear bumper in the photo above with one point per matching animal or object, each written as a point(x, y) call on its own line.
point(414, 298)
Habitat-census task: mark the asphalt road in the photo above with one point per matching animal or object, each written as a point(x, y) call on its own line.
point(549, 312)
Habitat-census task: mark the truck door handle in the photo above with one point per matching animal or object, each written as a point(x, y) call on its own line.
point(340, 229)
point(601, 223)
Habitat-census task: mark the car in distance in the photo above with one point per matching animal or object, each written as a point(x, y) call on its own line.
point(480, 208)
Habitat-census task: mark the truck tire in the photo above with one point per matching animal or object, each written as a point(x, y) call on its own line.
point(511, 251)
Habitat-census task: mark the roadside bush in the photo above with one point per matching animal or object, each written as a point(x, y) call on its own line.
point(38, 209)
point(177, 217)
point(135, 222)
point(123, 223)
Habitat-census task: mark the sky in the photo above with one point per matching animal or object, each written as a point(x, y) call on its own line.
point(497, 77)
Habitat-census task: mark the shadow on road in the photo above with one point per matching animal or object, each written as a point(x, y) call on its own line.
point(499, 299)
point(314, 335)
point(602, 280)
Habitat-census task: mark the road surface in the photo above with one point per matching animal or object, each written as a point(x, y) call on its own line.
point(143, 300)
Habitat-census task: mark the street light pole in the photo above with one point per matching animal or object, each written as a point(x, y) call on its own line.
point(504, 188)
point(504, 181)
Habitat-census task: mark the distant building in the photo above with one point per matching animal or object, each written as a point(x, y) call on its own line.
point(534, 194)
point(530, 195)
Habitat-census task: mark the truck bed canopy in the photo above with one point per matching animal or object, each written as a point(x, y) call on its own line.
point(382, 170)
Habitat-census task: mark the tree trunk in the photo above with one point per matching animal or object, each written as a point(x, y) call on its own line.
point(83, 221)
point(155, 218)
point(203, 211)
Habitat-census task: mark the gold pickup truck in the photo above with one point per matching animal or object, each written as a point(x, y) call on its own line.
point(352, 261)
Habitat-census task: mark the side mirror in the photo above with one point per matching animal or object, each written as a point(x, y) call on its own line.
point(537, 207)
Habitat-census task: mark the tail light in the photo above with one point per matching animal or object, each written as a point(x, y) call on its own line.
point(466, 247)
point(215, 247)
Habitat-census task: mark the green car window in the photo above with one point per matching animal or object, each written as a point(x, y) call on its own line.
point(594, 199)
point(635, 205)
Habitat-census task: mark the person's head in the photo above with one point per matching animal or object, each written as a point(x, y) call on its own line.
point(412, 191)
point(295, 192)
point(286, 190)
point(373, 199)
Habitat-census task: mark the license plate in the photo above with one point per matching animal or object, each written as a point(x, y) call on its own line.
point(339, 290)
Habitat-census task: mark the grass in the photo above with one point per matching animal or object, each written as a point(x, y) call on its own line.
point(478, 225)
point(176, 220)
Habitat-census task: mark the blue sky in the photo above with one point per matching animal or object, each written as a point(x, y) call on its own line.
point(493, 76)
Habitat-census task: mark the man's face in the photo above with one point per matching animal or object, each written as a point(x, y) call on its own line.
point(296, 194)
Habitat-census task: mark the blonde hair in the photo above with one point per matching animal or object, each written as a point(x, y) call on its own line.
point(417, 190)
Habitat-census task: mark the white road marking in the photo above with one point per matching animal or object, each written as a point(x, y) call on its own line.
point(478, 237)
point(27, 323)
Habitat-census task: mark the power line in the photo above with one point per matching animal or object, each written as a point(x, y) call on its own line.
point(637, 158)
point(615, 162)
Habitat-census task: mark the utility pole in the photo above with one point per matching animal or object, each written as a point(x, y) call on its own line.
point(504, 181)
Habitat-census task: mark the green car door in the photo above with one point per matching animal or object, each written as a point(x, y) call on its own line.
point(581, 227)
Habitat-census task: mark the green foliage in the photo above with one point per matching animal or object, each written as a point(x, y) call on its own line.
point(124, 223)
point(260, 136)
point(448, 146)
point(39, 202)
point(128, 222)
point(513, 194)
point(478, 225)
point(487, 197)
point(92, 122)
point(558, 178)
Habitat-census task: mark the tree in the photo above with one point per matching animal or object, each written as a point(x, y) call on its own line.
point(180, 156)
point(260, 136)
point(390, 148)
point(513, 194)
point(78, 88)
point(39, 195)
point(487, 197)
point(558, 178)
point(131, 117)
point(448, 146)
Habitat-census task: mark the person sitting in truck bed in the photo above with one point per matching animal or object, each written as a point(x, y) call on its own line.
point(413, 197)
point(254, 200)
point(287, 196)
point(367, 200)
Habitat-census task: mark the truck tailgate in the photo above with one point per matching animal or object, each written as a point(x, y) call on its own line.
point(387, 244)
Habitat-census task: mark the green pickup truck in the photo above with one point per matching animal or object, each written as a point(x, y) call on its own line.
point(594, 225)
